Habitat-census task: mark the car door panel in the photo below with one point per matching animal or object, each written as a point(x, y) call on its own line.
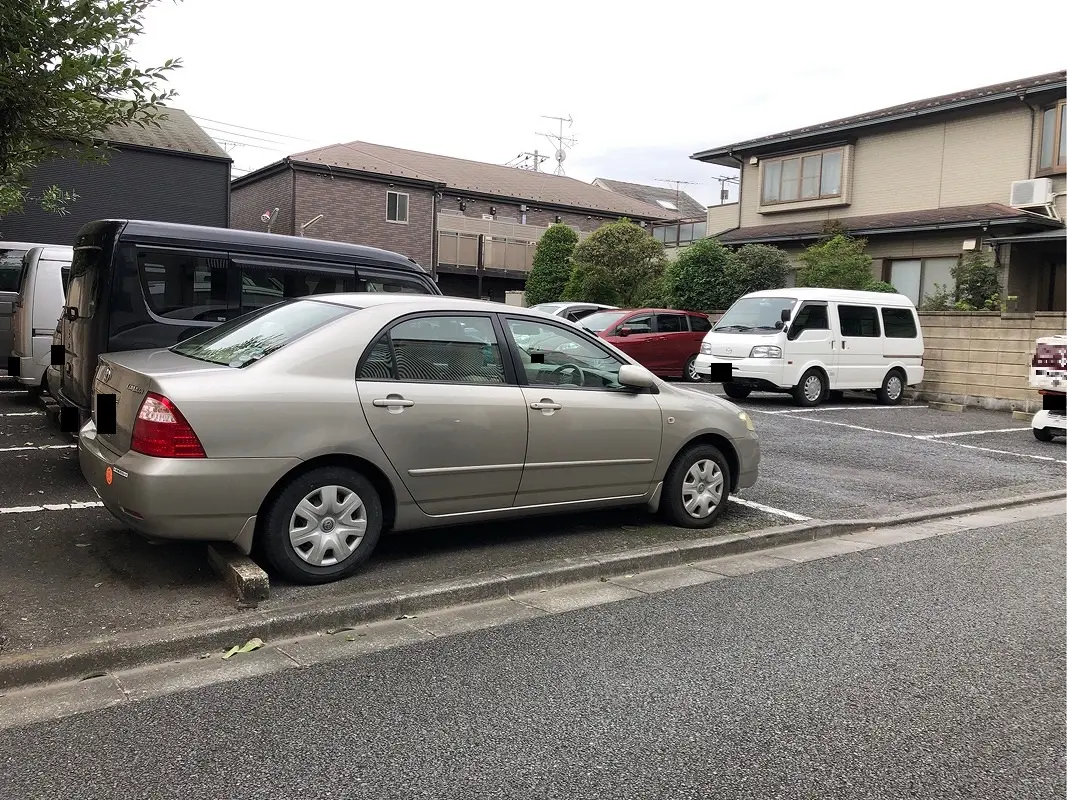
point(453, 429)
point(860, 347)
point(812, 343)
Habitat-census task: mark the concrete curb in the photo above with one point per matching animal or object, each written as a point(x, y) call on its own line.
point(940, 406)
point(176, 642)
point(243, 576)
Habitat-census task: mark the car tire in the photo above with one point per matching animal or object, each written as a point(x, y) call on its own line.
point(1043, 435)
point(314, 560)
point(694, 475)
point(736, 391)
point(891, 392)
point(810, 390)
point(690, 373)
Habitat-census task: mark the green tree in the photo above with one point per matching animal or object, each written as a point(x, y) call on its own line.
point(756, 268)
point(618, 264)
point(881, 286)
point(977, 281)
point(552, 265)
point(696, 280)
point(66, 77)
point(839, 262)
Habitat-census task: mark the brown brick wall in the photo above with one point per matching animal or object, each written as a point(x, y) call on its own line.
point(355, 212)
point(543, 217)
point(248, 202)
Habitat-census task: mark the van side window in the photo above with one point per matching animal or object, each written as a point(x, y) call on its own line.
point(899, 323)
point(812, 317)
point(183, 286)
point(859, 321)
point(267, 286)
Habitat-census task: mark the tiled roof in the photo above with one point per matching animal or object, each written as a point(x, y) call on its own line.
point(177, 132)
point(956, 216)
point(687, 206)
point(996, 91)
point(460, 175)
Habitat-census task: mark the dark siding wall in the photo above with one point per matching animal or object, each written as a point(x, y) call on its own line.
point(132, 185)
point(248, 202)
point(355, 212)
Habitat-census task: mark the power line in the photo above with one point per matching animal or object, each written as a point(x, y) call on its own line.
point(242, 135)
point(244, 128)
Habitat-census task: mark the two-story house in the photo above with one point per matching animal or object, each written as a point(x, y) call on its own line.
point(923, 182)
point(475, 225)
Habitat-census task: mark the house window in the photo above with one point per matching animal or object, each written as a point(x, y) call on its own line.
point(1052, 157)
point(396, 207)
point(919, 278)
point(813, 176)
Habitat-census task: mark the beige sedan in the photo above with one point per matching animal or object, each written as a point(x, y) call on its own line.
point(303, 430)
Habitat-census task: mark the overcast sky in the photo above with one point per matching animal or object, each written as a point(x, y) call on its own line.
point(647, 84)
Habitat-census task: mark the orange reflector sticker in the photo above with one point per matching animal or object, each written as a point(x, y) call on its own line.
point(109, 476)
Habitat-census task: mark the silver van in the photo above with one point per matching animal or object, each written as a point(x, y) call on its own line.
point(42, 293)
point(11, 255)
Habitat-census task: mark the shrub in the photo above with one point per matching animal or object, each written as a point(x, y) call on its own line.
point(552, 265)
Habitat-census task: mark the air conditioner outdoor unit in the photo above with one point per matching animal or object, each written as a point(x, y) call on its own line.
point(1032, 193)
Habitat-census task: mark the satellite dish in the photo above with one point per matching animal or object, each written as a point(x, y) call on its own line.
point(561, 156)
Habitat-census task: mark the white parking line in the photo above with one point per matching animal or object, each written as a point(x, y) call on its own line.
point(37, 447)
point(969, 433)
point(769, 510)
point(23, 414)
point(51, 507)
point(834, 408)
point(925, 438)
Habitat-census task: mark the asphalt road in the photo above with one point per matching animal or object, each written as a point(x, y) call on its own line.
point(932, 669)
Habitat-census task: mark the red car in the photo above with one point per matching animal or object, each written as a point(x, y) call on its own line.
point(666, 342)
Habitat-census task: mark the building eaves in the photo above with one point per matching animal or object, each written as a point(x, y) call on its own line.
point(730, 155)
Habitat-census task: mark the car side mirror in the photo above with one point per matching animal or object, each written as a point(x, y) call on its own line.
point(636, 377)
point(624, 331)
point(785, 315)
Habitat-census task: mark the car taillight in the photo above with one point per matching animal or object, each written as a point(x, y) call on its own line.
point(162, 431)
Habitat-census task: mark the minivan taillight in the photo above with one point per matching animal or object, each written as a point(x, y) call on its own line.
point(161, 431)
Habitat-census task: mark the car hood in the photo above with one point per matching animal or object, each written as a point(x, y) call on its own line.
point(699, 397)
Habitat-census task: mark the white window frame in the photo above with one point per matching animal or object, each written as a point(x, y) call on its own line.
point(407, 207)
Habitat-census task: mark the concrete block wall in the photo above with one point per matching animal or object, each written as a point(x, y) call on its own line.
point(983, 358)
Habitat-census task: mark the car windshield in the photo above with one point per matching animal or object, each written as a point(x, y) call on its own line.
point(250, 337)
point(602, 320)
point(548, 308)
point(755, 314)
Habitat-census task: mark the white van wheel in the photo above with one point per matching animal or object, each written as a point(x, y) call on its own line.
point(892, 391)
point(810, 389)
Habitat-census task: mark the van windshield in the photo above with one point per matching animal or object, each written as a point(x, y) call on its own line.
point(248, 338)
point(752, 314)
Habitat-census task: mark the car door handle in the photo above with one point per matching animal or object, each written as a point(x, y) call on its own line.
point(545, 405)
point(393, 402)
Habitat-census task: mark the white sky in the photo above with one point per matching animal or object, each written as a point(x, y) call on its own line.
point(646, 84)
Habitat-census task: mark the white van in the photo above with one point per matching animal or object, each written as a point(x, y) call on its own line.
point(810, 342)
point(42, 293)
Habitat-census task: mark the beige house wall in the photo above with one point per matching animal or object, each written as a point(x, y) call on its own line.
point(723, 218)
point(963, 161)
point(983, 358)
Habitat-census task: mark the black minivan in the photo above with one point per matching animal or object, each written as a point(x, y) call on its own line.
point(137, 285)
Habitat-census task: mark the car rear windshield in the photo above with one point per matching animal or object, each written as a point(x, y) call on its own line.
point(548, 308)
point(10, 269)
point(602, 320)
point(248, 338)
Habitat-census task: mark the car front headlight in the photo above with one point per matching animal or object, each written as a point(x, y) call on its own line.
point(765, 351)
point(705, 349)
point(745, 418)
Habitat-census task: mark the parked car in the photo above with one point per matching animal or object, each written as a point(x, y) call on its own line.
point(11, 255)
point(141, 285)
point(1048, 374)
point(303, 430)
point(809, 342)
point(665, 341)
point(42, 293)
point(571, 311)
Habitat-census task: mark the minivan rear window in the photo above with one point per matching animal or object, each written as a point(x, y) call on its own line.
point(10, 269)
point(247, 339)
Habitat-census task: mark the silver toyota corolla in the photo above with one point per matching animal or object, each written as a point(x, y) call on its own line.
point(303, 430)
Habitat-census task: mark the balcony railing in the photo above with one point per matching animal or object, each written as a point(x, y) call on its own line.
point(507, 246)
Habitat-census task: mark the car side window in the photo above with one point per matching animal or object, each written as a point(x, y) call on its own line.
point(699, 324)
point(812, 317)
point(551, 355)
point(671, 323)
point(859, 321)
point(436, 349)
point(899, 323)
point(639, 324)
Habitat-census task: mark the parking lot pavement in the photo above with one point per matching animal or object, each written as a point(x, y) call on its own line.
point(859, 459)
point(71, 573)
